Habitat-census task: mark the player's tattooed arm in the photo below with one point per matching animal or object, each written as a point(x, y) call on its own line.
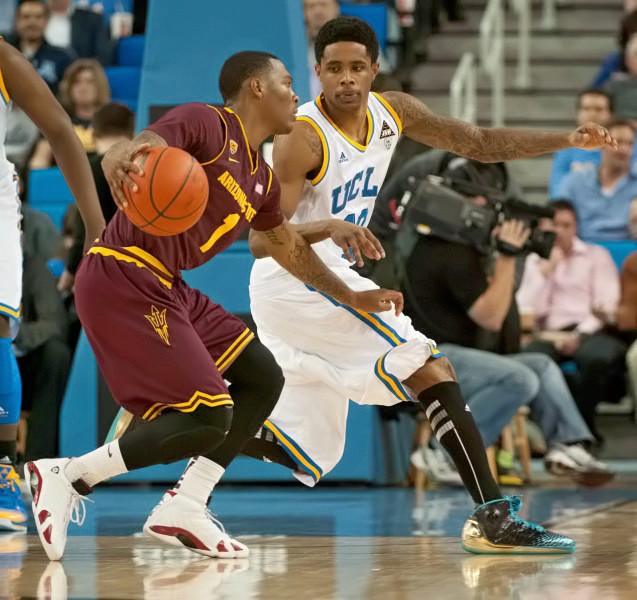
point(484, 144)
point(119, 161)
point(295, 255)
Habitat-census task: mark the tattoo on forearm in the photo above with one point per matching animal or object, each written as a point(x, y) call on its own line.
point(459, 137)
point(306, 265)
point(273, 238)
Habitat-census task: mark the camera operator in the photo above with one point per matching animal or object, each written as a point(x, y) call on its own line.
point(448, 291)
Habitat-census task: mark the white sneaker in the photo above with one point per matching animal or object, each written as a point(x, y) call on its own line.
point(436, 466)
point(179, 521)
point(576, 462)
point(55, 503)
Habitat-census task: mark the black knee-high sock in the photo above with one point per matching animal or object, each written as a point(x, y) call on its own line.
point(453, 425)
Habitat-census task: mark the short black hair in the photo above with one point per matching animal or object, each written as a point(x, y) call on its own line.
point(242, 66)
point(562, 204)
point(621, 123)
point(595, 92)
point(114, 119)
point(43, 4)
point(346, 29)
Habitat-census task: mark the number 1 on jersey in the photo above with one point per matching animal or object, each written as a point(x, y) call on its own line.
point(228, 223)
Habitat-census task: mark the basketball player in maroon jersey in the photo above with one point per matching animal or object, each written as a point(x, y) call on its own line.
point(164, 348)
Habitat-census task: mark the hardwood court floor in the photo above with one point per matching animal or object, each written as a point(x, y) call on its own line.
point(426, 562)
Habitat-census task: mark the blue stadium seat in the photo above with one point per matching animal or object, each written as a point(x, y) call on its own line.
point(375, 14)
point(124, 82)
point(619, 250)
point(48, 192)
point(130, 51)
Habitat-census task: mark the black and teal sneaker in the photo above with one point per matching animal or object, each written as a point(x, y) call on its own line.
point(494, 528)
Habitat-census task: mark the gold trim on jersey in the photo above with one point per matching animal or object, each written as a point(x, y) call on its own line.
point(225, 141)
point(391, 111)
point(370, 126)
point(189, 406)
point(129, 259)
point(326, 148)
point(3, 90)
point(269, 181)
point(254, 165)
point(229, 356)
point(149, 258)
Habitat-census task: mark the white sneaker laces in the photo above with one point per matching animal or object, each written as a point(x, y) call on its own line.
point(216, 521)
point(78, 509)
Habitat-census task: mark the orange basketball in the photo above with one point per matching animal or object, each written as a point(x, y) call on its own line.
point(172, 193)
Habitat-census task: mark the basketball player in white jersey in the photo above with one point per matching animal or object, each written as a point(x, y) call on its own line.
point(330, 169)
point(22, 86)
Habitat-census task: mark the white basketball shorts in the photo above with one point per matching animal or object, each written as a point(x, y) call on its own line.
point(330, 353)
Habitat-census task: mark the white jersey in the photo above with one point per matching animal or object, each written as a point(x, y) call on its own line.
point(331, 353)
point(10, 216)
point(347, 184)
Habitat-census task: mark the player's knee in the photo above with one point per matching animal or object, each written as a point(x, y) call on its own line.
point(216, 418)
point(434, 371)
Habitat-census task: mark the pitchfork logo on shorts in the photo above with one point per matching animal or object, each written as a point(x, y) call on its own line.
point(158, 320)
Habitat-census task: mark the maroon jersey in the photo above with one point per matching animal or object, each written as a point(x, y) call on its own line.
point(243, 190)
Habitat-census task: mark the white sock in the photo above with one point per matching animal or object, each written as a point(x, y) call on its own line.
point(199, 479)
point(96, 466)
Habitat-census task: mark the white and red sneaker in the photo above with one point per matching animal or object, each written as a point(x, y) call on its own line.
point(180, 521)
point(56, 501)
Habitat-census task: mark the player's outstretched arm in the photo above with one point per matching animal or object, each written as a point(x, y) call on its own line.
point(294, 254)
point(485, 144)
point(27, 89)
point(295, 156)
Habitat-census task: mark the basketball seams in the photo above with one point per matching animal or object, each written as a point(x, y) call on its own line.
point(160, 213)
point(151, 224)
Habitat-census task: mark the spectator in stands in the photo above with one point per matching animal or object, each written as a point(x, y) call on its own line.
point(449, 294)
point(43, 357)
point(49, 61)
point(83, 91)
point(41, 238)
point(592, 105)
point(623, 85)
point(614, 62)
point(623, 322)
point(79, 28)
point(604, 198)
point(560, 295)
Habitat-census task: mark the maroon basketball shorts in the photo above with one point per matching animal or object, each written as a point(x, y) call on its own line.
point(159, 343)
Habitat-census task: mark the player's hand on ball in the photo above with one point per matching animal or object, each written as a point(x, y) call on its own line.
point(117, 163)
point(356, 241)
point(375, 301)
point(590, 136)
